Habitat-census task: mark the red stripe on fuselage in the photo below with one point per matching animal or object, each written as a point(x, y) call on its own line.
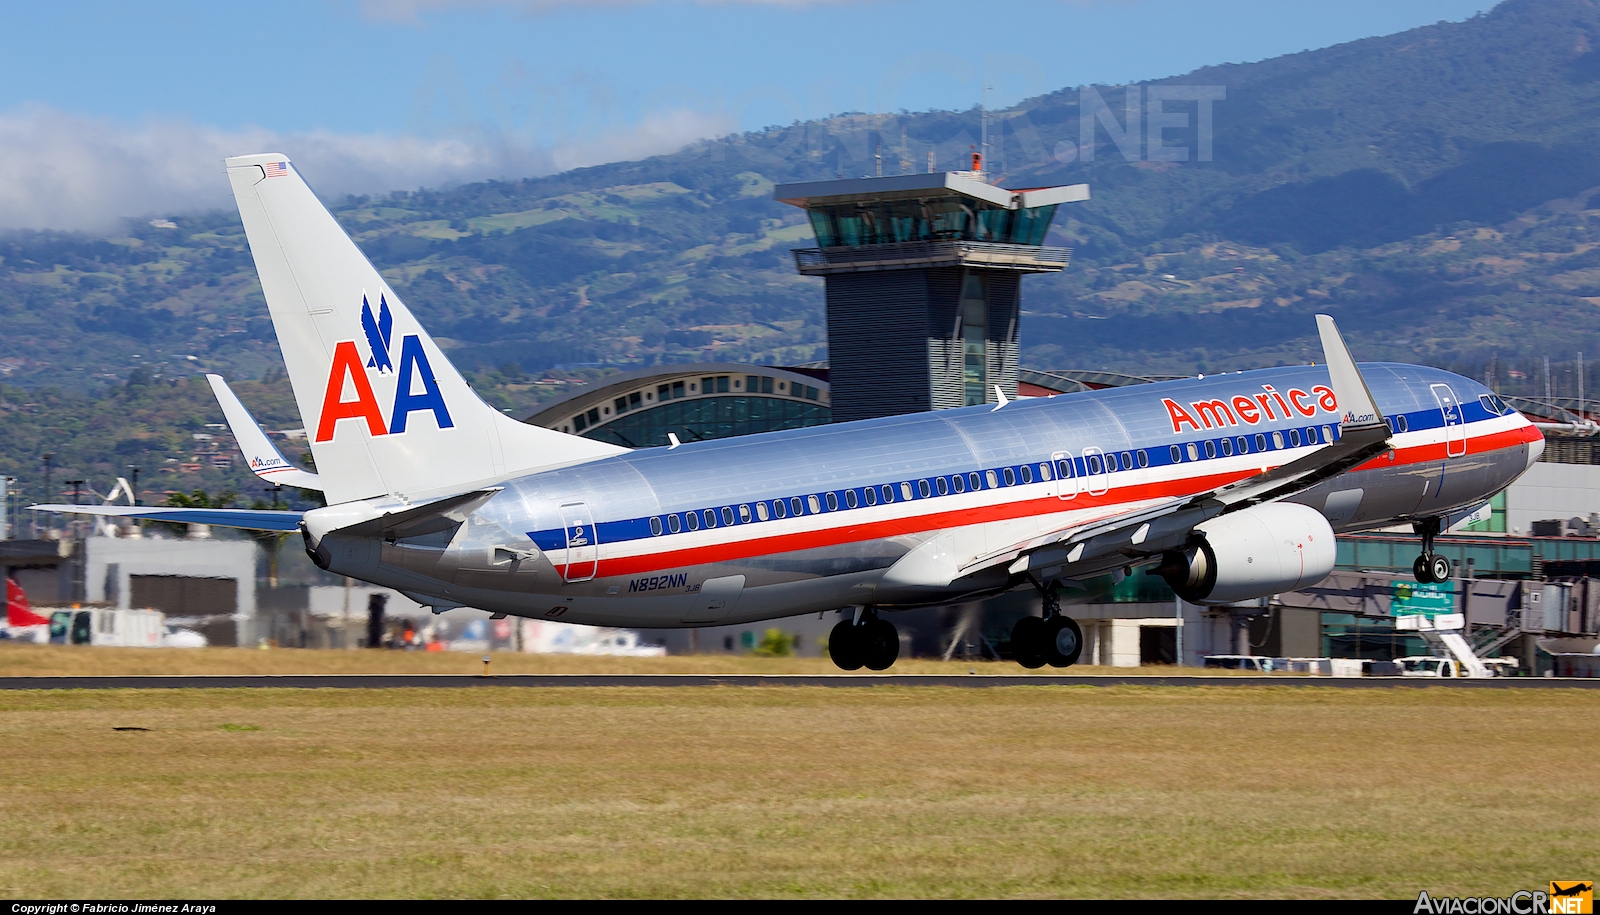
point(1008, 511)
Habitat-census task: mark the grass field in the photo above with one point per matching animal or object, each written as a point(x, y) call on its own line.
point(1134, 792)
point(78, 660)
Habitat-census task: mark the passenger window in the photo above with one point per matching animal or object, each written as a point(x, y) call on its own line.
point(1094, 463)
point(1127, 460)
point(655, 527)
point(1194, 453)
point(813, 504)
point(922, 489)
point(1227, 448)
point(794, 507)
point(1327, 434)
point(871, 494)
point(973, 481)
point(1261, 442)
point(761, 511)
point(989, 477)
point(905, 491)
point(1011, 477)
point(1027, 473)
point(744, 514)
point(1294, 438)
point(1211, 449)
point(1404, 425)
point(850, 498)
point(1144, 459)
point(1177, 454)
point(833, 501)
point(1064, 467)
point(779, 509)
point(888, 493)
point(691, 520)
point(1311, 435)
point(1277, 439)
point(943, 487)
point(727, 515)
point(1044, 473)
point(959, 482)
point(711, 518)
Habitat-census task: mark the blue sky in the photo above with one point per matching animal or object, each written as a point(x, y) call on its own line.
point(396, 93)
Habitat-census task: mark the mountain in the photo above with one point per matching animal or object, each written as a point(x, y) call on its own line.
point(1432, 189)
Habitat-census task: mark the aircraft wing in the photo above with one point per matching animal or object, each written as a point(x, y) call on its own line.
point(222, 517)
point(263, 457)
point(1153, 529)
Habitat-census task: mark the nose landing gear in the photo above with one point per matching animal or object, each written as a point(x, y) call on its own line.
point(1430, 567)
point(1055, 639)
point(866, 641)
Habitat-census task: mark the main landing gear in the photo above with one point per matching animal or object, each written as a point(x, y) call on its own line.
point(1430, 568)
point(1055, 639)
point(865, 641)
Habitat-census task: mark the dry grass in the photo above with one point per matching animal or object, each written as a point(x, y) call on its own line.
point(80, 660)
point(1130, 792)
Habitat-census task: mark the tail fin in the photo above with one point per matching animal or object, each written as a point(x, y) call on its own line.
point(386, 411)
point(18, 613)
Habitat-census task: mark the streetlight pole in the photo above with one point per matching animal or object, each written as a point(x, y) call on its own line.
point(48, 458)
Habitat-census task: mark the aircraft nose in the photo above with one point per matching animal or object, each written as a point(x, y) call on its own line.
point(1535, 448)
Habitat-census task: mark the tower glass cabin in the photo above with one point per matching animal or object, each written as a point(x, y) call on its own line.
point(923, 278)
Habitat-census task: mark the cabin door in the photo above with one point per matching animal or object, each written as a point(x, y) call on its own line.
point(1455, 431)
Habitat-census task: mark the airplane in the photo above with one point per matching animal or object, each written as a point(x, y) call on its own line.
point(1231, 487)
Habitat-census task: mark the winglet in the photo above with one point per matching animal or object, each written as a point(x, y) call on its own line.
point(263, 457)
point(1355, 400)
point(1000, 398)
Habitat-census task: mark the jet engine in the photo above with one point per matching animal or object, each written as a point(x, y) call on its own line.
point(1267, 549)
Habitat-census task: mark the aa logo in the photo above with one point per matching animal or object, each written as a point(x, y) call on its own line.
point(1571, 897)
point(415, 389)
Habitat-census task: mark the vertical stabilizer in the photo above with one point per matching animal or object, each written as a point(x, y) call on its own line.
point(385, 411)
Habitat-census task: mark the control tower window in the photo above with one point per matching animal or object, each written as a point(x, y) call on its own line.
point(974, 332)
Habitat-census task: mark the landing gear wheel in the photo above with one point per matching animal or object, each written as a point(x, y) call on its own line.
point(1063, 641)
point(1439, 567)
point(881, 642)
point(845, 646)
point(1028, 642)
point(1420, 570)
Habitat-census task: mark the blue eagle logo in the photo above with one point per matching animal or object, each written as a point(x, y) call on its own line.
point(380, 331)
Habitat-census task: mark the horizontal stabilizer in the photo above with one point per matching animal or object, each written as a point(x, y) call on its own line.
point(264, 459)
point(222, 517)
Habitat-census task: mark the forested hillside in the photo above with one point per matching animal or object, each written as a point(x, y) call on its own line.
point(1432, 189)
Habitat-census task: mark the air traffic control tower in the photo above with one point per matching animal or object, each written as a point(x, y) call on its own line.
point(923, 280)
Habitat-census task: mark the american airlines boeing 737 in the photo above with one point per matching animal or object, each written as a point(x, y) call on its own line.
point(1230, 487)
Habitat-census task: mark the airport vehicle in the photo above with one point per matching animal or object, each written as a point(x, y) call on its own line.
point(1231, 487)
point(1429, 666)
point(1240, 662)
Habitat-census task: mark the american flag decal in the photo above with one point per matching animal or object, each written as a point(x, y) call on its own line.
point(277, 169)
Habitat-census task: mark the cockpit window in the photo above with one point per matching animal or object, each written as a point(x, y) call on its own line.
point(1494, 404)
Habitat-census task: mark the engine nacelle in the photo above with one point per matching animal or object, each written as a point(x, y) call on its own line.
point(1268, 549)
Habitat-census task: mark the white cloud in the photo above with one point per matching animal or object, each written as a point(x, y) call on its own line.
point(67, 171)
point(408, 10)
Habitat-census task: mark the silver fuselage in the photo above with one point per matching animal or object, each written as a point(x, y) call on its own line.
point(776, 524)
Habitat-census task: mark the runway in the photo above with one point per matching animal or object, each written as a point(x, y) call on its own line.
point(559, 681)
